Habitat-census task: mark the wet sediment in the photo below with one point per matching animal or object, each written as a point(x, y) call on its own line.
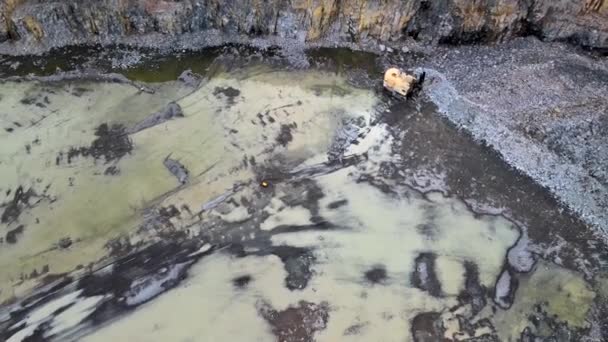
point(406, 216)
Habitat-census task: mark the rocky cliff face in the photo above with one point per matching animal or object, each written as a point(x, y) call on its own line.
point(584, 22)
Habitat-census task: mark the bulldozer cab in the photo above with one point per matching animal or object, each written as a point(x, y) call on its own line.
point(398, 82)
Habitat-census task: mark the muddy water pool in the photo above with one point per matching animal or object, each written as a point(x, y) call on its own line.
point(133, 210)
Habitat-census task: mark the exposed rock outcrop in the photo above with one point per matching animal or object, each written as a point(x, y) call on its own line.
point(65, 22)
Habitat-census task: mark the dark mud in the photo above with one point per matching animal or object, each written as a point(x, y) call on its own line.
point(424, 276)
point(111, 171)
point(285, 137)
point(231, 94)
point(13, 235)
point(337, 204)
point(129, 281)
point(376, 275)
point(547, 328)
point(474, 293)
point(305, 193)
point(242, 281)
point(355, 329)
point(21, 200)
point(433, 151)
point(112, 143)
point(298, 323)
point(427, 327)
point(298, 263)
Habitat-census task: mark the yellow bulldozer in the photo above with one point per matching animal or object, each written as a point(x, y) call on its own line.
point(400, 83)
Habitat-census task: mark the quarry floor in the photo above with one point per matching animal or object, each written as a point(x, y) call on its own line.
point(132, 205)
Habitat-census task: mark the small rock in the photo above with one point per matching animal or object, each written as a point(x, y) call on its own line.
point(177, 169)
point(64, 243)
point(189, 78)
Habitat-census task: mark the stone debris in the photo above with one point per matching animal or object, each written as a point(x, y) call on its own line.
point(190, 79)
point(177, 169)
point(170, 112)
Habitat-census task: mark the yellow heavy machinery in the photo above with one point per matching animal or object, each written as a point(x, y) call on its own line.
point(400, 83)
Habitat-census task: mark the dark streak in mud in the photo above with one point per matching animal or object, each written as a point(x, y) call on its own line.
point(355, 329)
point(28, 100)
point(285, 137)
point(377, 183)
point(13, 235)
point(306, 193)
point(79, 91)
point(297, 262)
point(65, 243)
point(112, 143)
point(129, 281)
point(169, 212)
point(242, 281)
point(158, 220)
point(170, 112)
point(296, 323)
point(21, 200)
point(321, 224)
point(424, 277)
point(474, 292)
point(337, 204)
point(261, 119)
point(111, 171)
point(230, 93)
point(344, 136)
point(376, 275)
point(79, 76)
point(428, 230)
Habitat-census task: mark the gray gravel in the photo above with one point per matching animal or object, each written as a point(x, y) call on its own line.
point(541, 107)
